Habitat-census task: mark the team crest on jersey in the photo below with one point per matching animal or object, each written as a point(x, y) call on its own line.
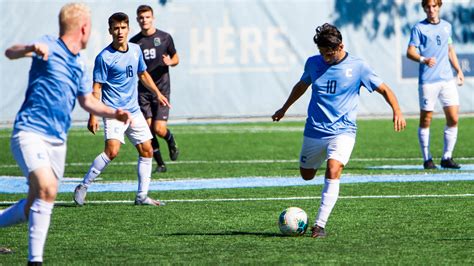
point(157, 41)
point(135, 55)
point(446, 29)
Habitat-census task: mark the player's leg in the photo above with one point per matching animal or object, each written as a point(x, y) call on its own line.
point(160, 127)
point(450, 100)
point(339, 150)
point(312, 155)
point(43, 187)
point(149, 106)
point(161, 167)
point(428, 94)
point(139, 134)
point(114, 137)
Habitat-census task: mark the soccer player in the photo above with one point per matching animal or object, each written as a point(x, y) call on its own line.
point(330, 130)
point(159, 52)
point(431, 45)
point(117, 69)
point(38, 143)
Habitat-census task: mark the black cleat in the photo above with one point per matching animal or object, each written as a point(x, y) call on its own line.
point(429, 164)
point(174, 152)
point(450, 163)
point(160, 169)
point(318, 232)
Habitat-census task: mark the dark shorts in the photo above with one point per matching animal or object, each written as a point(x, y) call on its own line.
point(151, 108)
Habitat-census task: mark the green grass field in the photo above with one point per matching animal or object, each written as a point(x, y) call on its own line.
point(372, 223)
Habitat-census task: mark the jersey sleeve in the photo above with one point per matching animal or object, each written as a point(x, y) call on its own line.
point(415, 37)
point(171, 49)
point(85, 86)
point(141, 62)
point(100, 70)
point(306, 77)
point(369, 78)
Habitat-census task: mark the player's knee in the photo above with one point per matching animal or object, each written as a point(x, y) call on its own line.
point(453, 122)
point(307, 174)
point(112, 154)
point(160, 131)
point(48, 193)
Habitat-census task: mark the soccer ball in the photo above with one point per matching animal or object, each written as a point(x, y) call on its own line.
point(293, 221)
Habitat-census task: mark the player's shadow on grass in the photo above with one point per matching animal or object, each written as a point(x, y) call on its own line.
point(231, 233)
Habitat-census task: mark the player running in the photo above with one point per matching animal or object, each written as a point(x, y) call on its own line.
point(117, 70)
point(38, 143)
point(431, 45)
point(159, 53)
point(336, 78)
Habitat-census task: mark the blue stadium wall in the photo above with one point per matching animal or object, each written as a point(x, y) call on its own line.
point(241, 58)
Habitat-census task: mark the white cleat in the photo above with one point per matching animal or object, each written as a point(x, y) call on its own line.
point(80, 194)
point(148, 201)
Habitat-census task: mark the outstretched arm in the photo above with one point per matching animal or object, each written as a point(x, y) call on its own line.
point(455, 63)
point(21, 50)
point(92, 105)
point(398, 121)
point(298, 90)
point(147, 81)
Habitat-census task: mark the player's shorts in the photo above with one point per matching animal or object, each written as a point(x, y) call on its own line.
point(315, 151)
point(33, 151)
point(445, 91)
point(138, 132)
point(151, 107)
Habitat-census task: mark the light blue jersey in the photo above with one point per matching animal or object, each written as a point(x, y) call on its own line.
point(335, 94)
point(117, 72)
point(53, 86)
point(433, 40)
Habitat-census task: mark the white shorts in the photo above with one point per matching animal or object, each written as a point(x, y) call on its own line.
point(138, 132)
point(33, 151)
point(315, 151)
point(445, 91)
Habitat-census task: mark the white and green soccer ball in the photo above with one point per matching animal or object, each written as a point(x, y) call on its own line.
point(293, 221)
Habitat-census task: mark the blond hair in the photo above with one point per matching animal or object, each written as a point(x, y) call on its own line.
point(71, 17)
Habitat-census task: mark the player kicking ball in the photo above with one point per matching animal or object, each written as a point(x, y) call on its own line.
point(116, 73)
point(330, 131)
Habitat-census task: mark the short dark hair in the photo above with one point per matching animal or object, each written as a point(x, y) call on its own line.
point(144, 8)
point(118, 17)
point(425, 2)
point(328, 36)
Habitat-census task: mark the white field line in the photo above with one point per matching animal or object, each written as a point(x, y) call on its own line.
point(248, 161)
point(273, 199)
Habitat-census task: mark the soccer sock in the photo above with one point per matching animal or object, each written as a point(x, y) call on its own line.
point(40, 216)
point(98, 165)
point(156, 151)
point(424, 139)
point(328, 200)
point(450, 137)
point(144, 173)
point(14, 214)
point(169, 138)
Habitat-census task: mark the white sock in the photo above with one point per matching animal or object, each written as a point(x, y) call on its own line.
point(40, 216)
point(450, 137)
point(14, 214)
point(144, 169)
point(98, 165)
point(328, 200)
point(424, 139)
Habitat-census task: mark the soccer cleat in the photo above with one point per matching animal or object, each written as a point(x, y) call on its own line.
point(450, 163)
point(4, 250)
point(160, 169)
point(148, 201)
point(174, 152)
point(318, 232)
point(80, 194)
point(429, 164)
